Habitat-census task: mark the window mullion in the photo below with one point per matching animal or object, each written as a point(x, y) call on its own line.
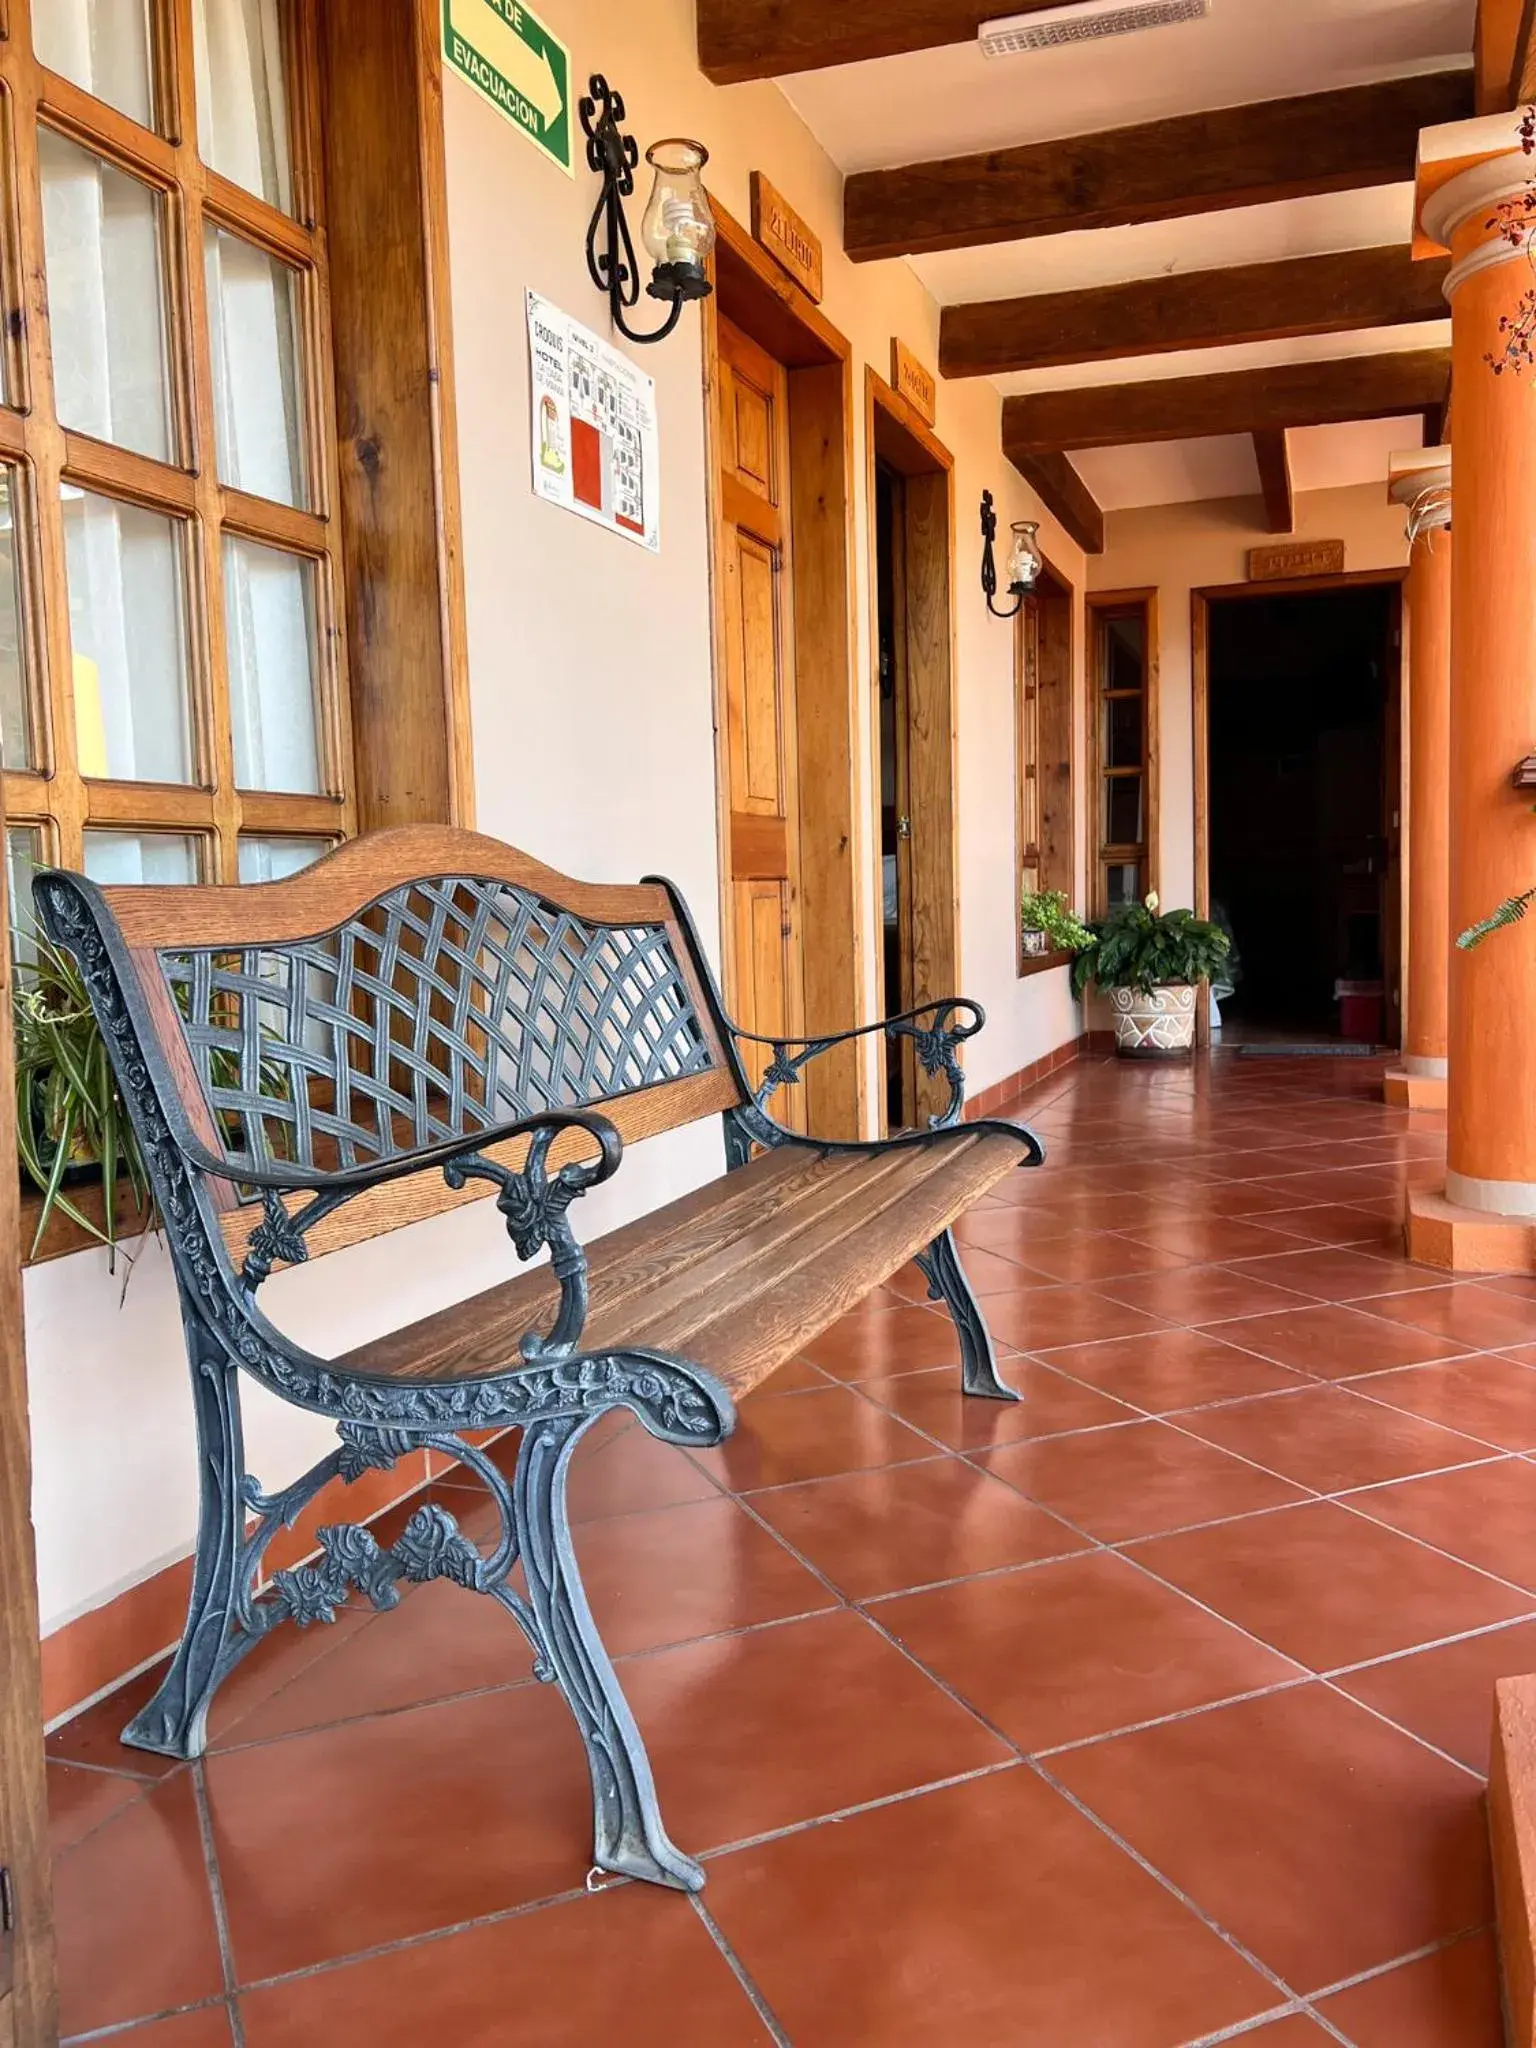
point(320, 386)
point(209, 639)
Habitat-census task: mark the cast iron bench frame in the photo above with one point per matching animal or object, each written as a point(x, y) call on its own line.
point(431, 1001)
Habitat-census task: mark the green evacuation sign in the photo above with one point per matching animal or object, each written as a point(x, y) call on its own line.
point(507, 54)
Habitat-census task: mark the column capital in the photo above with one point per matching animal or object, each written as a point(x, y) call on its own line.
point(1466, 171)
point(1419, 479)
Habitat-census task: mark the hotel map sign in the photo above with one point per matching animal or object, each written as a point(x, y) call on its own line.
point(506, 53)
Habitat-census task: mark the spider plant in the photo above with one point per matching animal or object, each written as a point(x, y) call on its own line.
point(69, 1112)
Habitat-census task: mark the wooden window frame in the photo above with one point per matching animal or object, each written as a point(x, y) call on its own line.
point(366, 93)
point(1103, 605)
point(52, 796)
point(1045, 748)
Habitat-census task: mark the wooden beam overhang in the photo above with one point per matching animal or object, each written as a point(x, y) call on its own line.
point(1239, 402)
point(1065, 496)
point(1272, 452)
point(1504, 54)
point(1522, 83)
point(741, 39)
point(1348, 290)
point(1192, 163)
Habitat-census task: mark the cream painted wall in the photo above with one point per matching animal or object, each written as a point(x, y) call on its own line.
point(1180, 548)
point(594, 749)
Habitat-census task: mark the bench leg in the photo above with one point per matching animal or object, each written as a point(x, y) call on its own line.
point(175, 1723)
point(947, 1283)
point(629, 1836)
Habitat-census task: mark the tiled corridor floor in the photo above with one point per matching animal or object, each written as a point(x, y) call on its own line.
point(1152, 1712)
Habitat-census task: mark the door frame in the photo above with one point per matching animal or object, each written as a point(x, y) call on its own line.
point(1056, 590)
point(896, 433)
point(29, 2001)
point(1200, 602)
point(757, 297)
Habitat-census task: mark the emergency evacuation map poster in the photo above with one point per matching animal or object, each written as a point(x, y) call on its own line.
point(596, 449)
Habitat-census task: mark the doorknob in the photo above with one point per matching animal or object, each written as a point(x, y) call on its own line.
point(903, 828)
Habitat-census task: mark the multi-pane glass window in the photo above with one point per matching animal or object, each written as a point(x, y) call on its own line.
point(1122, 635)
point(172, 705)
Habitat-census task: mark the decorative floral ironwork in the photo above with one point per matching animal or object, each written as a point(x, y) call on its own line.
point(370, 1450)
point(279, 1238)
point(781, 1072)
point(1515, 221)
point(432, 1548)
point(952, 1022)
point(534, 1204)
point(317, 1592)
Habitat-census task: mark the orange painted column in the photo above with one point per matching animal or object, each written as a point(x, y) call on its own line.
point(1420, 1083)
point(1491, 1130)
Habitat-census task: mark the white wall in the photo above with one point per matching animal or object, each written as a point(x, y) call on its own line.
point(594, 749)
point(1180, 548)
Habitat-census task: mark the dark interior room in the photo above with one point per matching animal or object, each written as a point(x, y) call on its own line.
point(1302, 708)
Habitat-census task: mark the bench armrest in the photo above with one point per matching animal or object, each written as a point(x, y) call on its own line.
point(954, 1019)
point(532, 1200)
point(355, 1180)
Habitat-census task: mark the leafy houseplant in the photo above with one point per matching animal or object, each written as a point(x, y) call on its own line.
point(1044, 912)
point(71, 1120)
point(1149, 962)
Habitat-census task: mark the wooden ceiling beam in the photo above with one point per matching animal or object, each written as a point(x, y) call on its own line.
point(1272, 452)
point(1239, 402)
point(740, 39)
point(1056, 483)
point(1351, 289)
point(1522, 83)
point(1192, 163)
point(1503, 56)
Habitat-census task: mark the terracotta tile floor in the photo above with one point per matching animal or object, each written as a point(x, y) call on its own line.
point(1152, 1712)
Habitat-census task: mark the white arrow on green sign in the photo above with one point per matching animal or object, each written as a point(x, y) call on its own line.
point(510, 58)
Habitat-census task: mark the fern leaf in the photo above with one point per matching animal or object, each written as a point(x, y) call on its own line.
point(1509, 912)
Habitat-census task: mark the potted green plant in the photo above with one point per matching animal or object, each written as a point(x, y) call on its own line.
point(1150, 964)
point(72, 1126)
point(1047, 926)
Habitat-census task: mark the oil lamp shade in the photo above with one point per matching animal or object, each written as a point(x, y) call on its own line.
point(1024, 558)
point(678, 228)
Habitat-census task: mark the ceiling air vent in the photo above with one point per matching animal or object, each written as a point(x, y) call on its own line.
point(1087, 21)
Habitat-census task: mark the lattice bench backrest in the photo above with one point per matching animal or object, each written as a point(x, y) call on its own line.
point(417, 987)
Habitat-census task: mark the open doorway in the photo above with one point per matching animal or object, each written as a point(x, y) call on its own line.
point(913, 723)
point(895, 797)
point(1301, 704)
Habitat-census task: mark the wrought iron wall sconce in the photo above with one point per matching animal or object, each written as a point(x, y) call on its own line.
point(1025, 560)
point(678, 228)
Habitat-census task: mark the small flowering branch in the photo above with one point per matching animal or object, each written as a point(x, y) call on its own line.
point(1515, 220)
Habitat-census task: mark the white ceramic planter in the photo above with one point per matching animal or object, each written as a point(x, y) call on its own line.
point(1161, 1023)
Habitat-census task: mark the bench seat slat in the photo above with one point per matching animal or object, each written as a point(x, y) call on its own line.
point(737, 1275)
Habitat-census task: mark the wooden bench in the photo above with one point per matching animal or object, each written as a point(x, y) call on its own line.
point(308, 1062)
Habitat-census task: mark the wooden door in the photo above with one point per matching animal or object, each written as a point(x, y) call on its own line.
point(766, 983)
point(27, 2003)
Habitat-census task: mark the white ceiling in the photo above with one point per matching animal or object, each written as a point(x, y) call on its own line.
point(951, 101)
point(1202, 241)
point(954, 101)
point(1186, 472)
